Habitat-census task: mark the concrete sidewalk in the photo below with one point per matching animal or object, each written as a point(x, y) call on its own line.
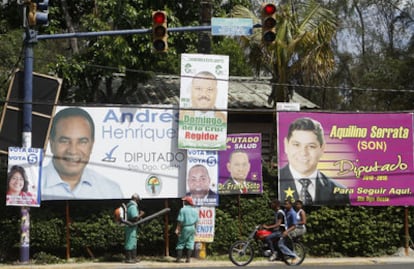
point(169, 262)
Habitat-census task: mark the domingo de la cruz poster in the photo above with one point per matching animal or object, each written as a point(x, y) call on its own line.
point(203, 101)
point(136, 147)
point(371, 154)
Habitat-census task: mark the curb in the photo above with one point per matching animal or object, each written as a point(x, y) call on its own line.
point(207, 263)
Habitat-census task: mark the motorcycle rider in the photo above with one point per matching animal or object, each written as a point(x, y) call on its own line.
point(284, 223)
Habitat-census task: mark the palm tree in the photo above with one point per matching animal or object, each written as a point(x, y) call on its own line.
point(302, 50)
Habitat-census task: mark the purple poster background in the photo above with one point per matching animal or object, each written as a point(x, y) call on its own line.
point(371, 154)
point(250, 143)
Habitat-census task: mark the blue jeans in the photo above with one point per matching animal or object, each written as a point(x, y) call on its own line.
point(281, 244)
point(269, 239)
point(284, 249)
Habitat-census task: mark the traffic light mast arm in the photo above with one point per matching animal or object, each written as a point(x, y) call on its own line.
point(127, 32)
point(122, 32)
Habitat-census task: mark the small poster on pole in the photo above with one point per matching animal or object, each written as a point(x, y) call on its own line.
point(23, 177)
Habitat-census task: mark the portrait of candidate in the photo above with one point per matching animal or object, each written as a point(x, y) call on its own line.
point(300, 179)
point(18, 187)
point(238, 166)
point(67, 176)
point(199, 181)
point(204, 93)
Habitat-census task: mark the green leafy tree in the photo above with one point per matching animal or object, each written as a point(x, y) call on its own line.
point(302, 49)
point(373, 73)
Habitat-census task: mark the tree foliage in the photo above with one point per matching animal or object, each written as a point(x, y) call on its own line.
point(301, 51)
point(370, 41)
point(374, 49)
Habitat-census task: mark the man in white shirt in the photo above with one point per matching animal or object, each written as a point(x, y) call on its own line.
point(66, 176)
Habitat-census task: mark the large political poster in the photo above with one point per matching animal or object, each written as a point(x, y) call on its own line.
point(113, 152)
point(203, 101)
point(241, 165)
point(346, 158)
point(23, 176)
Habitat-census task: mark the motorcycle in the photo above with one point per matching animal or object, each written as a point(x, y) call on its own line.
point(241, 252)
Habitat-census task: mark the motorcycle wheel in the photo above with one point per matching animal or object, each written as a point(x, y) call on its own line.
point(300, 251)
point(241, 253)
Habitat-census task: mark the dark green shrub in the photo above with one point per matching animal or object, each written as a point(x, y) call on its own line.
point(46, 258)
point(97, 234)
point(48, 235)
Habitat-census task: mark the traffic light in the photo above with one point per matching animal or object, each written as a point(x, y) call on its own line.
point(38, 13)
point(268, 22)
point(159, 31)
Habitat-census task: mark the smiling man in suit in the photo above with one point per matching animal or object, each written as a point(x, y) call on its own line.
point(300, 178)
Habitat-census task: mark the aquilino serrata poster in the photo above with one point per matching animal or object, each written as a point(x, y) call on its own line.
point(346, 158)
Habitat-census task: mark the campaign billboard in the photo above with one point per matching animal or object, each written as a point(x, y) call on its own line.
point(202, 177)
point(113, 152)
point(241, 165)
point(203, 101)
point(346, 158)
point(23, 176)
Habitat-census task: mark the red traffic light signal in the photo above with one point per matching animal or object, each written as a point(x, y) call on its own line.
point(159, 31)
point(269, 9)
point(268, 15)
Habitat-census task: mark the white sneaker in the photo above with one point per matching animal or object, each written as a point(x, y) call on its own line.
point(273, 257)
point(294, 260)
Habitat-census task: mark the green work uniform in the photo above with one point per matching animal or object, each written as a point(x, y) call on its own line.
point(188, 217)
point(131, 231)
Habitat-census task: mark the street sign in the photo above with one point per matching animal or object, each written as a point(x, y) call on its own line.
point(284, 106)
point(231, 26)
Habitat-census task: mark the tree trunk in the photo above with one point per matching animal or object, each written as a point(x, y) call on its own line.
point(73, 41)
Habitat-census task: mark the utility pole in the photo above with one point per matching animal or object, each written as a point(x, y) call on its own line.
point(34, 13)
point(204, 40)
point(29, 40)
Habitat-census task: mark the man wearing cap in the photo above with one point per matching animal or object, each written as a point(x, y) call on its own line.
point(133, 215)
point(186, 223)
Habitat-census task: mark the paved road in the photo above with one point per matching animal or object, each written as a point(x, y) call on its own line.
point(169, 263)
point(400, 258)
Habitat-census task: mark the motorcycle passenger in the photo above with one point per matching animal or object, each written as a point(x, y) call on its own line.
point(279, 229)
point(300, 218)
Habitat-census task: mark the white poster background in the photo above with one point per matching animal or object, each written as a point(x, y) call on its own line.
point(191, 65)
point(30, 159)
point(205, 225)
point(209, 159)
point(141, 154)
